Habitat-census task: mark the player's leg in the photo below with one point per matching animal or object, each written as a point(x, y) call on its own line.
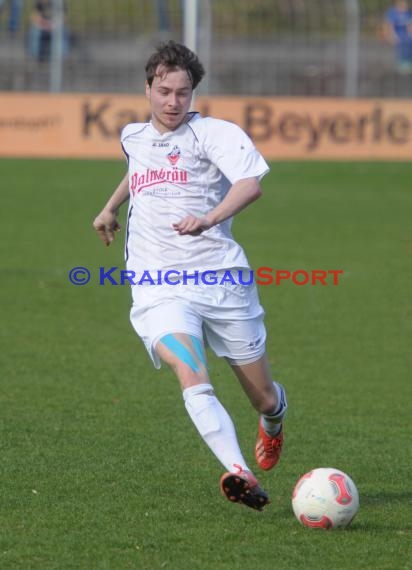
point(185, 354)
point(237, 332)
point(269, 399)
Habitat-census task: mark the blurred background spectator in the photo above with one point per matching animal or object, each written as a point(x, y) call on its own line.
point(163, 17)
point(15, 7)
point(398, 32)
point(41, 31)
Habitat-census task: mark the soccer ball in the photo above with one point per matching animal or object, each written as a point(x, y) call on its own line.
point(325, 498)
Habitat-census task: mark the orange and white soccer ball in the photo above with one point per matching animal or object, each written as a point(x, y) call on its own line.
point(325, 498)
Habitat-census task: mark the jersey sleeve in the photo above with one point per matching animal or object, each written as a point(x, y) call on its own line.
point(229, 148)
point(129, 131)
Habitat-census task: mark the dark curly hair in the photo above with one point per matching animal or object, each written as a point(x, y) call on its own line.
point(174, 56)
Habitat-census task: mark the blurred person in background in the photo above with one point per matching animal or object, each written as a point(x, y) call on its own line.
point(397, 30)
point(41, 31)
point(15, 7)
point(187, 177)
point(163, 17)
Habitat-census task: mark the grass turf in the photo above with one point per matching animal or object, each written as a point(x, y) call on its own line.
point(101, 468)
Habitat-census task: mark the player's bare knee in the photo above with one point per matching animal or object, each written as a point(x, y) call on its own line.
point(185, 355)
point(187, 377)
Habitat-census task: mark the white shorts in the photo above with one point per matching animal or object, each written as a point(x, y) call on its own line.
point(228, 318)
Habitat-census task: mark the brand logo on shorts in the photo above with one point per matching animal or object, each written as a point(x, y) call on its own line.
point(174, 155)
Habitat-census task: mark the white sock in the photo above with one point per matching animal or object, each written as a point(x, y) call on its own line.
point(273, 422)
point(215, 426)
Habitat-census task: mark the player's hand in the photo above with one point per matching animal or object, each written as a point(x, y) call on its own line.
point(192, 225)
point(106, 225)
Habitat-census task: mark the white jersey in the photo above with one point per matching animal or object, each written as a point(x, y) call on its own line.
point(177, 173)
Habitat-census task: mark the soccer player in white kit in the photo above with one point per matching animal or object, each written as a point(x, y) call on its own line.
point(187, 177)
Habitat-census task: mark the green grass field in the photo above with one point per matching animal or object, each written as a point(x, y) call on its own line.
point(100, 466)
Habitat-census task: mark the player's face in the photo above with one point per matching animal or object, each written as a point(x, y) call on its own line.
point(170, 96)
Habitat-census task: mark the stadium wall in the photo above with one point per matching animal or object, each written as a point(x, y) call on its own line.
point(88, 125)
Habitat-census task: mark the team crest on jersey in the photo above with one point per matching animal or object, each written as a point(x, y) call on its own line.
point(174, 155)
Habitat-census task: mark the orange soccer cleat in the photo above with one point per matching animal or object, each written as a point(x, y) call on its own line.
point(244, 488)
point(268, 448)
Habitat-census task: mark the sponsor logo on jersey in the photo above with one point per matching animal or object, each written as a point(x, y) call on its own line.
point(152, 177)
point(174, 155)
